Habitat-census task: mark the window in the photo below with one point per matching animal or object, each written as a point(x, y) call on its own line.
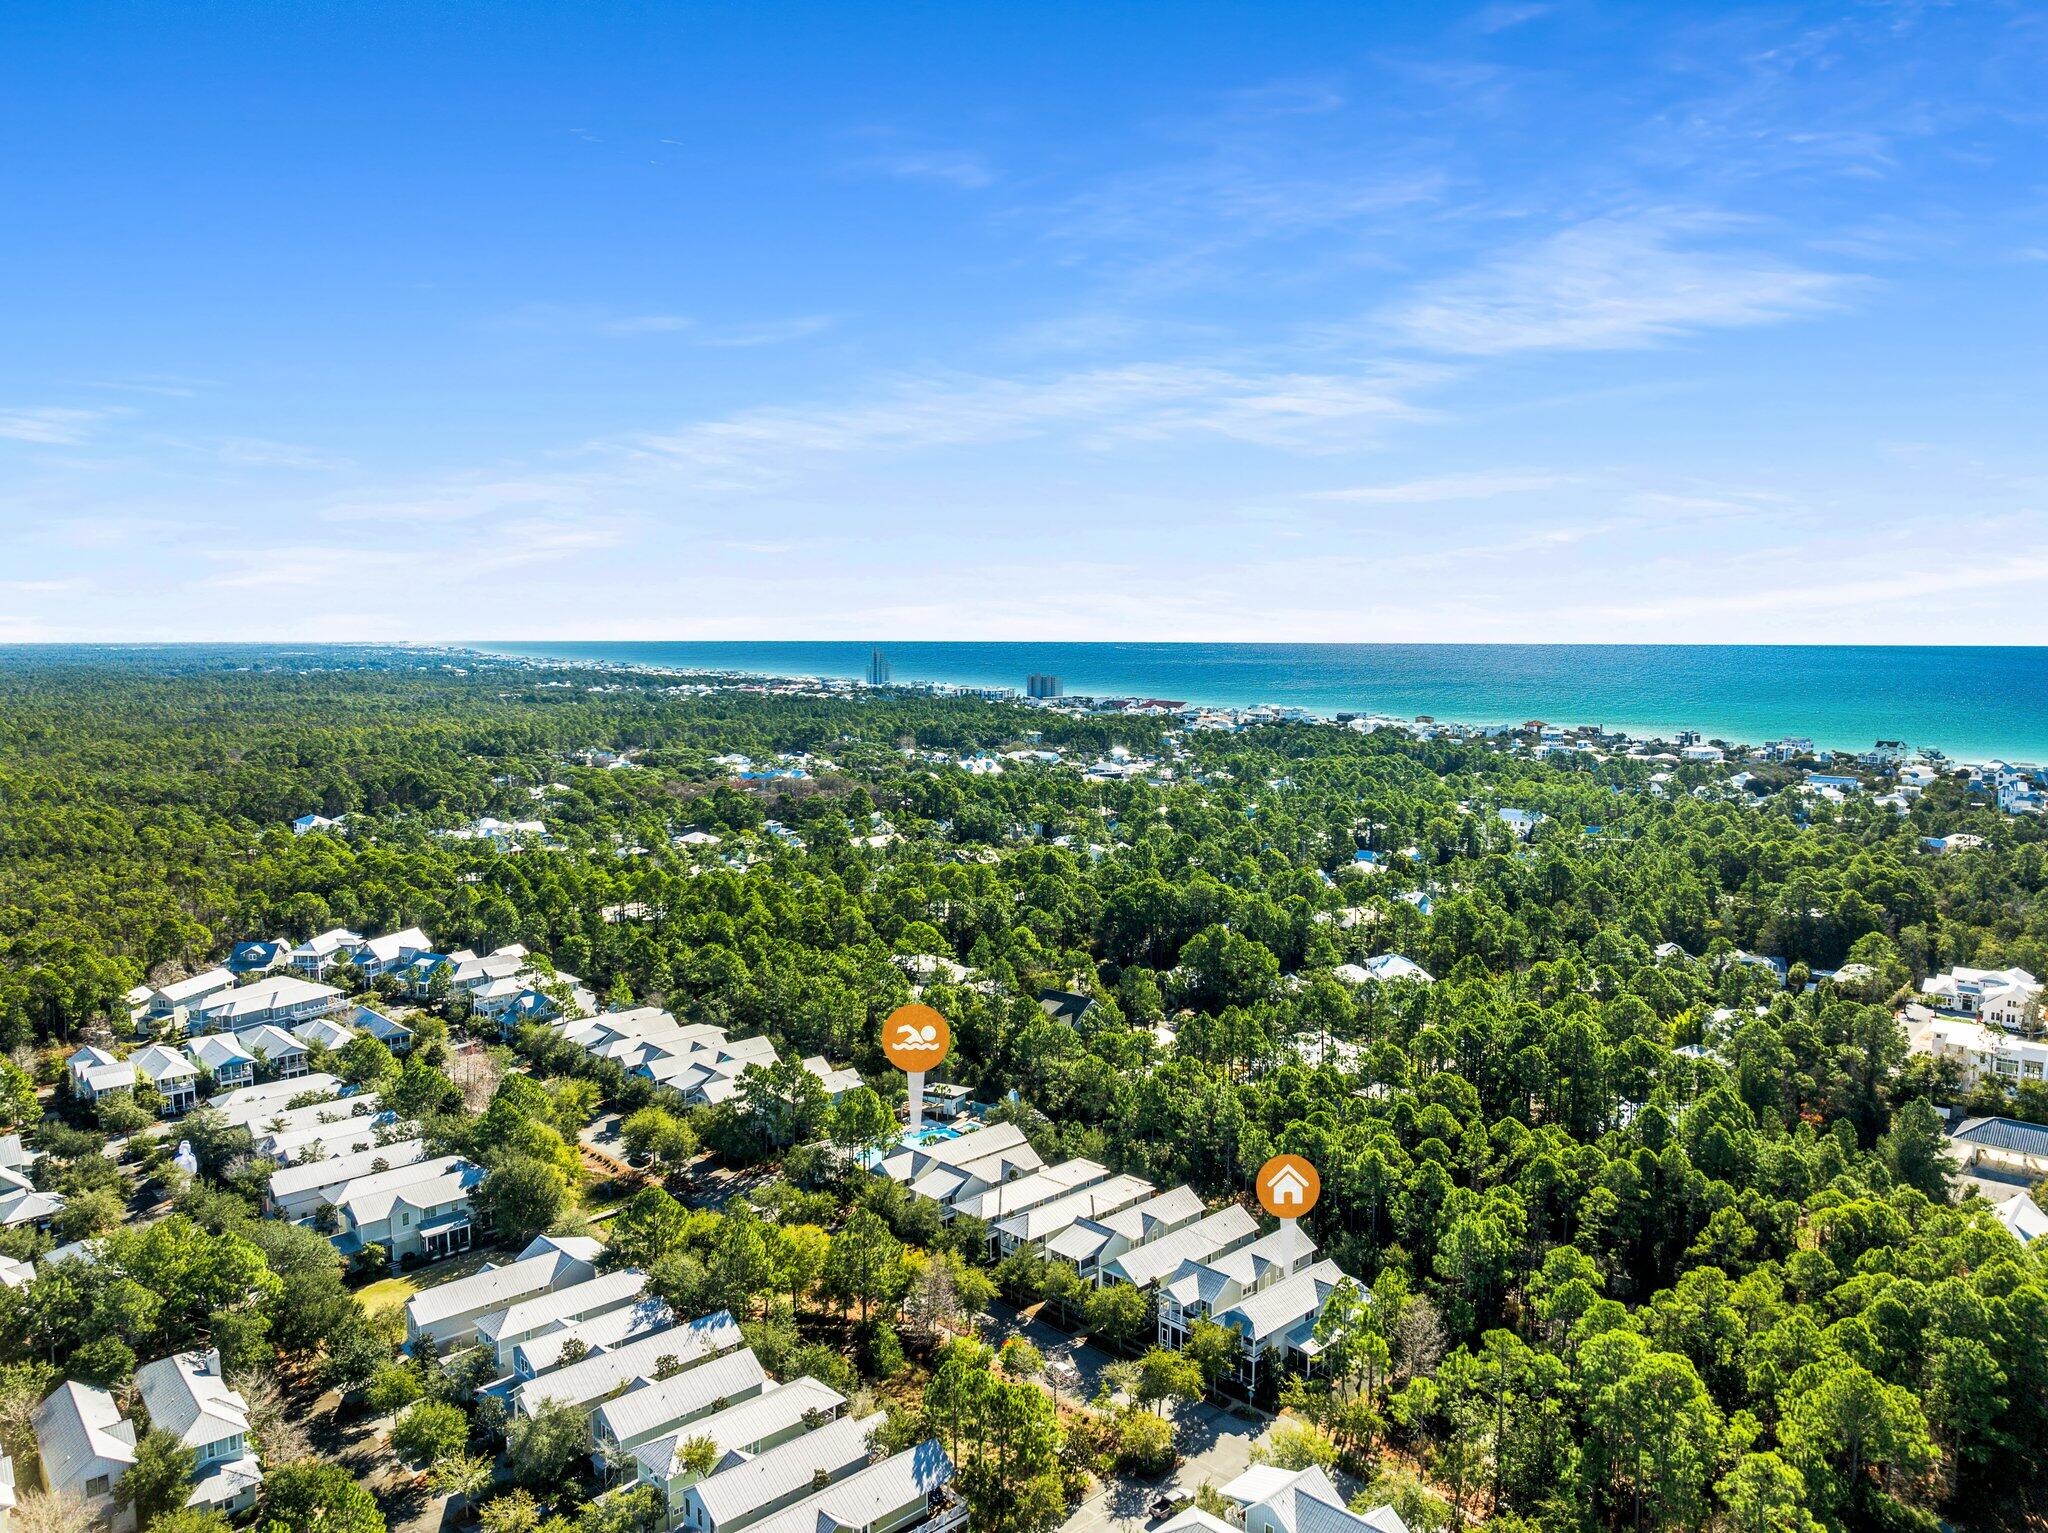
point(98, 1485)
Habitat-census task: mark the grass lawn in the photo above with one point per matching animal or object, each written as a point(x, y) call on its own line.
point(389, 1293)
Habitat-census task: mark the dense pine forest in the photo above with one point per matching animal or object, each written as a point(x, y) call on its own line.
point(1645, 1240)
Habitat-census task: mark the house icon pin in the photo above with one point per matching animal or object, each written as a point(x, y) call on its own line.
point(1286, 1186)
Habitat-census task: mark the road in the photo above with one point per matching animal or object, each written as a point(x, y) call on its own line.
point(1216, 1445)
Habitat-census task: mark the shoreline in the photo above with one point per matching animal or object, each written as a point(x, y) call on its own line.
point(1277, 711)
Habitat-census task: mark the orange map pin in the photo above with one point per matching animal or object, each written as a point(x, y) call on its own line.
point(1288, 1186)
point(915, 1038)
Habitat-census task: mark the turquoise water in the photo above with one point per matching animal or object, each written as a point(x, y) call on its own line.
point(1975, 704)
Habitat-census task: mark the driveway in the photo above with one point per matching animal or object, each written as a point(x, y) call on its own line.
point(1215, 1443)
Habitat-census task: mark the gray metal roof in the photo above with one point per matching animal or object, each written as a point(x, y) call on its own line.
point(737, 1428)
point(862, 1498)
point(595, 1377)
point(654, 1407)
point(2005, 1134)
point(788, 1470)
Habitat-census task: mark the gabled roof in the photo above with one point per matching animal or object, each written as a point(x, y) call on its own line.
point(655, 1405)
point(595, 1377)
point(1144, 1265)
point(370, 1199)
point(1286, 1304)
point(738, 1427)
point(523, 1317)
point(600, 1333)
point(275, 993)
point(158, 1064)
point(179, 991)
point(270, 1042)
point(393, 946)
point(787, 1470)
point(215, 1052)
point(1026, 1192)
point(1089, 1202)
point(864, 1496)
point(1304, 1501)
point(187, 1396)
point(341, 1170)
point(76, 1427)
point(548, 1260)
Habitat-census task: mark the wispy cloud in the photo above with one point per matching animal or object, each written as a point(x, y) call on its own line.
point(50, 425)
point(951, 167)
point(1450, 487)
point(1608, 284)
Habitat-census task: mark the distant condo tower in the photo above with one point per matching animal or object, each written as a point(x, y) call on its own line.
point(1042, 686)
point(878, 668)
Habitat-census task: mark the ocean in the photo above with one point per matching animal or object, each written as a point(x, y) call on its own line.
point(1975, 704)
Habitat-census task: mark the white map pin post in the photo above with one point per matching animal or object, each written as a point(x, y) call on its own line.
point(914, 1038)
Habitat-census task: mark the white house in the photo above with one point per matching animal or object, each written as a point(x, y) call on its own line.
point(1203, 1287)
point(906, 1491)
point(1269, 1499)
point(1155, 1261)
point(1035, 1226)
point(166, 1000)
point(278, 1053)
point(651, 1406)
point(2007, 998)
point(171, 1073)
point(187, 1396)
point(1388, 967)
point(317, 955)
point(96, 1072)
point(1005, 1200)
point(256, 1107)
point(282, 999)
point(222, 1056)
point(420, 1212)
point(1981, 1053)
point(86, 1447)
point(595, 1379)
point(391, 952)
point(1087, 1243)
point(738, 1433)
point(301, 1191)
point(551, 1349)
point(503, 1330)
point(447, 1314)
point(324, 1033)
point(745, 1489)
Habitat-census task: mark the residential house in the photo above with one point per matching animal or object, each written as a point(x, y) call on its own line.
point(338, 1126)
point(780, 1413)
point(973, 1162)
point(96, 1072)
point(255, 1107)
point(1980, 1053)
point(908, 1490)
point(312, 822)
point(25, 1208)
point(418, 1213)
point(2021, 1215)
point(1035, 1226)
point(446, 1315)
point(2007, 998)
point(167, 1000)
point(1275, 1324)
point(1145, 1266)
point(324, 1033)
point(388, 954)
point(260, 957)
point(86, 1447)
point(395, 1036)
point(283, 1000)
point(560, 1308)
point(1087, 1243)
point(301, 1191)
point(747, 1488)
point(320, 955)
point(565, 1344)
point(174, 1076)
point(685, 1347)
point(837, 1082)
point(1389, 967)
point(222, 1056)
point(1007, 1199)
point(187, 1396)
point(279, 1055)
point(1203, 1287)
point(654, 1406)
point(1269, 1499)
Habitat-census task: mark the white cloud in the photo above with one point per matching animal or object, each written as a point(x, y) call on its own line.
point(952, 167)
point(50, 425)
point(1607, 284)
point(1446, 487)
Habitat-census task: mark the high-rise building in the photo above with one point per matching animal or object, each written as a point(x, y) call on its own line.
point(1042, 686)
point(878, 668)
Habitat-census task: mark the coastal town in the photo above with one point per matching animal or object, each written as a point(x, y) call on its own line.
point(586, 1238)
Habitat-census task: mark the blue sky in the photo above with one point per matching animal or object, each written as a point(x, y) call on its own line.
point(1188, 321)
